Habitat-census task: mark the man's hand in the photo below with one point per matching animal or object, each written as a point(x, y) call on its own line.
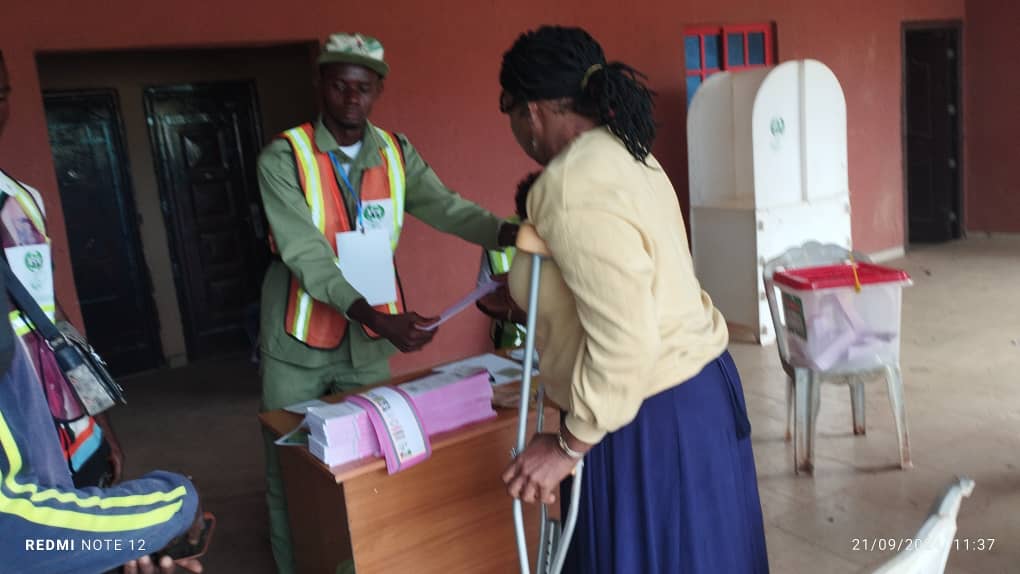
point(166, 565)
point(406, 331)
point(403, 330)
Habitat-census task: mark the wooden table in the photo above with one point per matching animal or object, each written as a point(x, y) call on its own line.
point(448, 514)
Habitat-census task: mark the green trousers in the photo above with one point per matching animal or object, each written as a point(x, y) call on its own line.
point(285, 384)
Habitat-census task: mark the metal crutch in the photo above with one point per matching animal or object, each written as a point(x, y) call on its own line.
point(552, 542)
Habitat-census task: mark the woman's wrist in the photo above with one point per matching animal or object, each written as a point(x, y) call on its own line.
point(571, 446)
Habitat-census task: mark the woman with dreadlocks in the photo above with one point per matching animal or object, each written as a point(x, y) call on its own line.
point(633, 351)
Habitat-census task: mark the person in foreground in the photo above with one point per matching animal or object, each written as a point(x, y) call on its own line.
point(40, 501)
point(633, 351)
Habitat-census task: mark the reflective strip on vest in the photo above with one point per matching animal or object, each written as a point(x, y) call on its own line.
point(398, 184)
point(308, 167)
point(500, 260)
point(22, 327)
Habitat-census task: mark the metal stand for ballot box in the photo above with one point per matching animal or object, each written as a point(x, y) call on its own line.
point(553, 541)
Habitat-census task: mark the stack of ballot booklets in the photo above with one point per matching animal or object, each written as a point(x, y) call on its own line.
point(341, 433)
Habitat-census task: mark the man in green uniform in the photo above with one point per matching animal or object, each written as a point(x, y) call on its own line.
point(351, 72)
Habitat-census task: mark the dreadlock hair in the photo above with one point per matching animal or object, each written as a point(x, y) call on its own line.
point(554, 62)
point(521, 197)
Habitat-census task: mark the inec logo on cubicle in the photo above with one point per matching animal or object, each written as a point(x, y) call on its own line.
point(374, 213)
point(777, 127)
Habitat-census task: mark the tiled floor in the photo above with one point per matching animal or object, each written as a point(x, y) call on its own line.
point(961, 366)
point(961, 359)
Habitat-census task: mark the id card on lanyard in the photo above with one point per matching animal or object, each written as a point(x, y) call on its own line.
point(365, 256)
point(32, 266)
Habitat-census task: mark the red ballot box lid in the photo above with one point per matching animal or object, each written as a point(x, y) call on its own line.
point(836, 276)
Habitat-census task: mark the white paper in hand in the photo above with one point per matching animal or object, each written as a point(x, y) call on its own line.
point(366, 260)
point(479, 292)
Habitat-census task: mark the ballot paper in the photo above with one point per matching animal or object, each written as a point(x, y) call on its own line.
point(479, 292)
point(398, 426)
point(343, 432)
point(501, 370)
point(296, 437)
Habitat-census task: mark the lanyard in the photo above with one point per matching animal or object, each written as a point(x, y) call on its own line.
point(350, 188)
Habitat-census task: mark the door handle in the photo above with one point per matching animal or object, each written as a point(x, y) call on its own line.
point(952, 163)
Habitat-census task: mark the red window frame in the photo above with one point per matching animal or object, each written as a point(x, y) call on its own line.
point(724, 49)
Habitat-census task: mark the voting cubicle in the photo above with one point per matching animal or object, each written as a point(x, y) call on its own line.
point(767, 151)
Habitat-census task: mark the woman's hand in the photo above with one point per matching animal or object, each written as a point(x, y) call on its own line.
point(501, 307)
point(536, 474)
point(494, 304)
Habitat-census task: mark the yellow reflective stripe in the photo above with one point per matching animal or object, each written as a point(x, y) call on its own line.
point(398, 183)
point(73, 519)
point(501, 259)
point(303, 317)
point(49, 308)
point(27, 202)
point(21, 326)
point(28, 206)
point(83, 521)
point(309, 166)
point(310, 171)
point(105, 503)
point(392, 308)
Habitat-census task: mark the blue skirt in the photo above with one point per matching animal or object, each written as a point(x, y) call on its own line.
point(674, 491)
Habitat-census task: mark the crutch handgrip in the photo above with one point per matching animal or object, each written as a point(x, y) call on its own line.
point(529, 241)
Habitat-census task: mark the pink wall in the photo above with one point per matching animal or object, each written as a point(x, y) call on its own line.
point(443, 93)
point(993, 116)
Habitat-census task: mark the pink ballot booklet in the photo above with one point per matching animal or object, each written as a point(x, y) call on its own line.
point(346, 432)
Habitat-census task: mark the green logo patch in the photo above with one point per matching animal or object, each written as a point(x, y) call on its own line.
point(374, 212)
point(33, 261)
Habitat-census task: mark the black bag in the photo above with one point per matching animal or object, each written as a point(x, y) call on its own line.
point(81, 365)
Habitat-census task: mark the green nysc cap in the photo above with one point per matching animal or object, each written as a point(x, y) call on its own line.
point(355, 49)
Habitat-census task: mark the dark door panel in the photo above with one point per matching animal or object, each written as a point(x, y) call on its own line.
point(206, 138)
point(110, 273)
point(931, 66)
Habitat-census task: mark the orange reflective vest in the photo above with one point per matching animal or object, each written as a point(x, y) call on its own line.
point(313, 322)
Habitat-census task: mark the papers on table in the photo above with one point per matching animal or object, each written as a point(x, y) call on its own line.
point(302, 408)
point(501, 370)
point(296, 437)
point(343, 432)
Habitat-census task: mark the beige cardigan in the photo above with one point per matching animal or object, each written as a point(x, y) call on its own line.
point(621, 315)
